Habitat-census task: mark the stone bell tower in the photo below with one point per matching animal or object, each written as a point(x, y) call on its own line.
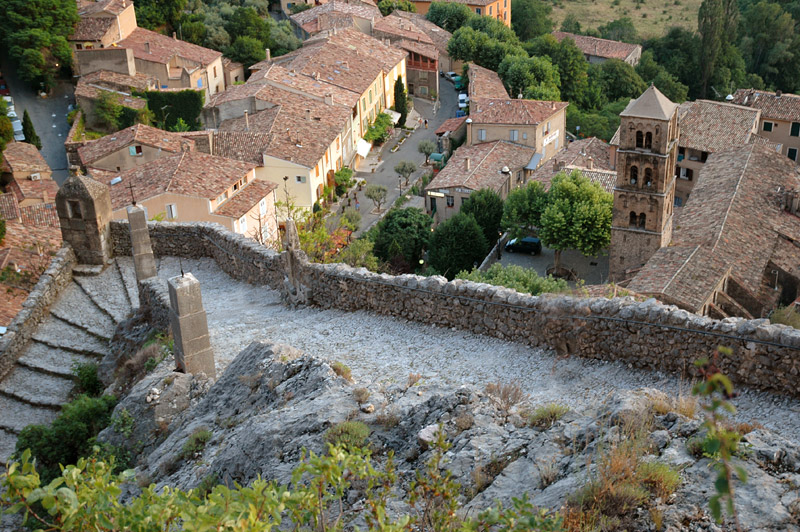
point(641, 222)
point(84, 213)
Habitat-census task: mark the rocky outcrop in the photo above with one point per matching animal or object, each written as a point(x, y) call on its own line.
point(273, 402)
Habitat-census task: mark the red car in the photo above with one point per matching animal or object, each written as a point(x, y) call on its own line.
point(4, 88)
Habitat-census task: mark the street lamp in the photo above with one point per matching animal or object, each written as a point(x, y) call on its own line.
point(400, 185)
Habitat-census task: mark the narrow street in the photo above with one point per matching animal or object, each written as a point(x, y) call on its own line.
point(384, 174)
point(49, 116)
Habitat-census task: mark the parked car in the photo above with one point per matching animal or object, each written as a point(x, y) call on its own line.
point(458, 81)
point(450, 76)
point(463, 100)
point(16, 125)
point(4, 88)
point(528, 244)
point(12, 113)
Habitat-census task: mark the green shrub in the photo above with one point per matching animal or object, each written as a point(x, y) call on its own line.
point(348, 434)
point(195, 443)
point(544, 416)
point(70, 436)
point(660, 479)
point(522, 280)
point(342, 370)
point(783, 315)
point(378, 132)
point(88, 381)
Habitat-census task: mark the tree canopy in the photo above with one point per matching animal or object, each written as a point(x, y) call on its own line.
point(530, 18)
point(457, 245)
point(449, 15)
point(387, 6)
point(486, 207)
point(405, 232)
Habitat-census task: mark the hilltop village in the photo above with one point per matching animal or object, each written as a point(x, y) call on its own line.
point(401, 227)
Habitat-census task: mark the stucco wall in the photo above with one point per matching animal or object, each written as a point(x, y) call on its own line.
point(645, 335)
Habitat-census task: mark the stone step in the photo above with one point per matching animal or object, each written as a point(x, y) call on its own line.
point(8, 440)
point(128, 273)
point(62, 335)
point(36, 388)
point(18, 414)
point(108, 292)
point(77, 308)
point(51, 360)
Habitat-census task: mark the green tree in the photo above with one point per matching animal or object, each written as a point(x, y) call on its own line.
point(621, 29)
point(359, 255)
point(678, 52)
point(577, 216)
point(376, 193)
point(619, 79)
point(34, 33)
point(523, 209)
point(247, 51)
point(245, 22)
point(449, 15)
point(6, 130)
point(154, 14)
point(405, 169)
point(457, 245)
point(522, 75)
point(571, 24)
point(493, 28)
point(530, 18)
point(570, 62)
point(403, 232)
point(108, 110)
point(770, 45)
point(401, 101)
point(180, 126)
point(387, 6)
point(716, 23)
point(652, 72)
point(486, 207)
point(426, 147)
point(299, 8)
point(194, 32)
point(30, 133)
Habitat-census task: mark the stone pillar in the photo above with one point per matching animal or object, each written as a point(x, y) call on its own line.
point(193, 352)
point(84, 214)
point(143, 260)
point(294, 292)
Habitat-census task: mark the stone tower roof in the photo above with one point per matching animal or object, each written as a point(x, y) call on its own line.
point(651, 104)
point(82, 187)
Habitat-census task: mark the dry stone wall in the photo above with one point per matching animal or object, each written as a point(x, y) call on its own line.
point(35, 308)
point(644, 335)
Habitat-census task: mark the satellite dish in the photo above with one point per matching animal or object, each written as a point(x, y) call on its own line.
point(729, 98)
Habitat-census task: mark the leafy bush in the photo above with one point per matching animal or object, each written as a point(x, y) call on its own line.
point(195, 443)
point(348, 434)
point(88, 381)
point(457, 245)
point(342, 370)
point(70, 436)
point(378, 132)
point(783, 315)
point(523, 280)
point(170, 106)
point(409, 229)
point(544, 416)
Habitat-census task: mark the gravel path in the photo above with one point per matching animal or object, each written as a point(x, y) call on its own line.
point(379, 348)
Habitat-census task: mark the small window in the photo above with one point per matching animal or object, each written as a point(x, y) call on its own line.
point(215, 72)
point(795, 129)
point(135, 151)
point(450, 200)
point(490, 10)
point(262, 207)
point(642, 220)
point(634, 175)
point(79, 46)
point(768, 126)
point(200, 83)
point(792, 153)
point(243, 223)
point(703, 156)
point(513, 135)
point(648, 177)
point(678, 202)
point(632, 219)
point(172, 211)
point(524, 136)
point(370, 96)
point(477, 11)
point(300, 178)
point(481, 134)
point(648, 141)
point(639, 139)
point(74, 209)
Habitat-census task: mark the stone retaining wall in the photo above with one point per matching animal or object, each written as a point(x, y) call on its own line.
point(154, 302)
point(35, 308)
point(645, 335)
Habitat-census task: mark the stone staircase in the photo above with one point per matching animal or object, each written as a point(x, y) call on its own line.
point(78, 329)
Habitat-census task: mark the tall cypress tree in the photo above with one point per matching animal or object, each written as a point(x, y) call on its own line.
point(30, 133)
point(400, 101)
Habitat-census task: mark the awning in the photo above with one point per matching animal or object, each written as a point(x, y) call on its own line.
point(363, 147)
point(534, 162)
point(393, 114)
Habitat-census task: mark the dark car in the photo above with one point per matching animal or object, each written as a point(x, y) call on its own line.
point(528, 244)
point(4, 88)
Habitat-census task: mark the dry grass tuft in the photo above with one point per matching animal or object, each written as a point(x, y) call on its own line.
point(548, 471)
point(683, 404)
point(544, 416)
point(505, 395)
point(130, 370)
point(464, 422)
point(342, 370)
point(413, 378)
point(388, 419)
point(361, 395)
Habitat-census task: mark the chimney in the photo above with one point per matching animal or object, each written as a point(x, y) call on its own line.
point(329, 99)
point(308, 114)
point(466, 164)
point(552, 105)
point(590, 163)
point(778, 93)
point(246, 121)
point(124, 3)
point(174, 35)
point(269, 55)
point(555, 165)
point(345, 64)
point(147, 47)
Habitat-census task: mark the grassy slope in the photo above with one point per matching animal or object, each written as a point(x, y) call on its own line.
point(652, 19)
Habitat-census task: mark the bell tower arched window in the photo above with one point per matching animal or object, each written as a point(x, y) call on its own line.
point(632, 219)
point(634, 174)
point(639, 139)
point(648, 176)
point(642, 220)
point(648, 141)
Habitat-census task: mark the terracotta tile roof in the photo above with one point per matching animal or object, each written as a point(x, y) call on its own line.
point(138, 134)
point(9, 207)
point(425, 50)
point(310, 17)
point(92, 91)
point(451, 124)
point(784, 107)
point(229, 65)
point(486, 161)
point(234, 93)
point(282, 77)
point(300, 140)
point(247, 198)
point(162, 48)
point(188, 173)
point(758, 139)
point(651, 104)
point(576, 157)
point(733, 221)
point(260, 122)
point(118, 81)
point(485, 83)
point(23, 157)
point(240, 145)
point(28, 189)
point(402, 28)
point(599, 47)
point(439, 36)
point(507, 111)
point(114, 7)
point(40, 214)
point(714, 126)
point(92, 28)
